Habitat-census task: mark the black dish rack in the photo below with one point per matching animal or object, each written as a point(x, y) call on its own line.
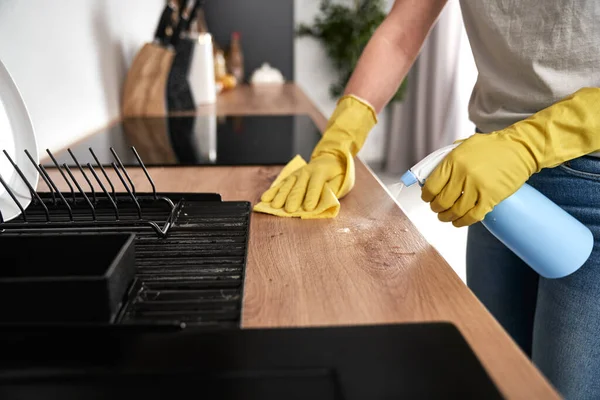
point(190, 248)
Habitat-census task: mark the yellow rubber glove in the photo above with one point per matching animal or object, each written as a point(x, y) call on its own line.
point(328, 207)
point(331, 162)
point(487, 168)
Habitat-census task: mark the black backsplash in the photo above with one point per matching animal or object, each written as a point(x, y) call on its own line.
point(266, 28)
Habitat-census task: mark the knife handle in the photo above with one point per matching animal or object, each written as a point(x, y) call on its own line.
point(164, 22)
point(197, 5)
point(184, 23)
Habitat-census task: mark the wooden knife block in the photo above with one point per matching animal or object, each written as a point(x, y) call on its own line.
point(144, 92)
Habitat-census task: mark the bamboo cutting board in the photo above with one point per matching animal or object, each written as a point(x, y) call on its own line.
point(144, 92)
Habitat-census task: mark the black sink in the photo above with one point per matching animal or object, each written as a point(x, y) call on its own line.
point(405, 361)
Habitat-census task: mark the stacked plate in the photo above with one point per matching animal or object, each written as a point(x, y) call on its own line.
point(16, 136)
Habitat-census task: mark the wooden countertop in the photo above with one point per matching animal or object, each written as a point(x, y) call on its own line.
point(370, 265)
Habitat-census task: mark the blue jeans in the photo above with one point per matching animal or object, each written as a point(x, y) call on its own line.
point(556, 322)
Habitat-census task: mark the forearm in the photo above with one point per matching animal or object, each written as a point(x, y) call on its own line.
point(388, 56)
point(568, 129)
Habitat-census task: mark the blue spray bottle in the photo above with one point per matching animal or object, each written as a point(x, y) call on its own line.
point(542, 234)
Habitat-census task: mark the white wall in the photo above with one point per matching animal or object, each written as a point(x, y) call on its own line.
point(314, 74)
point(69, 59)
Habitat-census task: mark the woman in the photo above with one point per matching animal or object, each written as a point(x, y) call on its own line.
point(537, 102)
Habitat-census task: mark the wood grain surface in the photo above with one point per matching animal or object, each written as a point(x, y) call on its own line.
point(144, 91)
point(369, 265)
point(266, 99)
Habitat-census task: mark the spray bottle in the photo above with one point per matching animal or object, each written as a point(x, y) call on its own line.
point(543, 235)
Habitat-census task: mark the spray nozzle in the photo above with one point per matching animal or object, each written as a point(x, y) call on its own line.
point(421, 170)
point(408, 179)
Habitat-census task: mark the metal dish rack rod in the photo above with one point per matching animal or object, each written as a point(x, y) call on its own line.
point(97, 218)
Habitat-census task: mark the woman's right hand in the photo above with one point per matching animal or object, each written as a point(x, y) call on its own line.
point(332, 160)
point(304, 187)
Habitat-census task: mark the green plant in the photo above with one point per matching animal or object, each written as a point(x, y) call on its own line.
point(344, 31)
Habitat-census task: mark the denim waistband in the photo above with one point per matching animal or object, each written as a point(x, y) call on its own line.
point(589, 165)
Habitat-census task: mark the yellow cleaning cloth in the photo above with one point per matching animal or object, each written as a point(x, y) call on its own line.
point(328, 206)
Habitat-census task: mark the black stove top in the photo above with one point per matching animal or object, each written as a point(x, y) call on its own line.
point(201, 140)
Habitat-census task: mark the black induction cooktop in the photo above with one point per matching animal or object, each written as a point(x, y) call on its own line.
point(200, 140)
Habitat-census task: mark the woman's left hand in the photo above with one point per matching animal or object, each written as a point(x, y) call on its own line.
point(478, 174)
point(487, 168)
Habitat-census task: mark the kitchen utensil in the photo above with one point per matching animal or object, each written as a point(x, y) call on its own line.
point(161, 35)
point(16, 135)
point(546, 237)
point(192, 78)
point(179, 95)
point(144, 91)
point(67, 278)
point(183, 24)
point(196, 12)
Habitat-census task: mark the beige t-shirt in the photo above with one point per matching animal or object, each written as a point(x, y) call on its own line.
point(530, 54)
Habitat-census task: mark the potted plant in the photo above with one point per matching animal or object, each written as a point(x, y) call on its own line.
point(344, 31)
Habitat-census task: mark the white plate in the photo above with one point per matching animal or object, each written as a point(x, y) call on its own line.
point(16, 135)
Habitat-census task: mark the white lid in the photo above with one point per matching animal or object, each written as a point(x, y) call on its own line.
point(266, 74)
point(16, 135)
